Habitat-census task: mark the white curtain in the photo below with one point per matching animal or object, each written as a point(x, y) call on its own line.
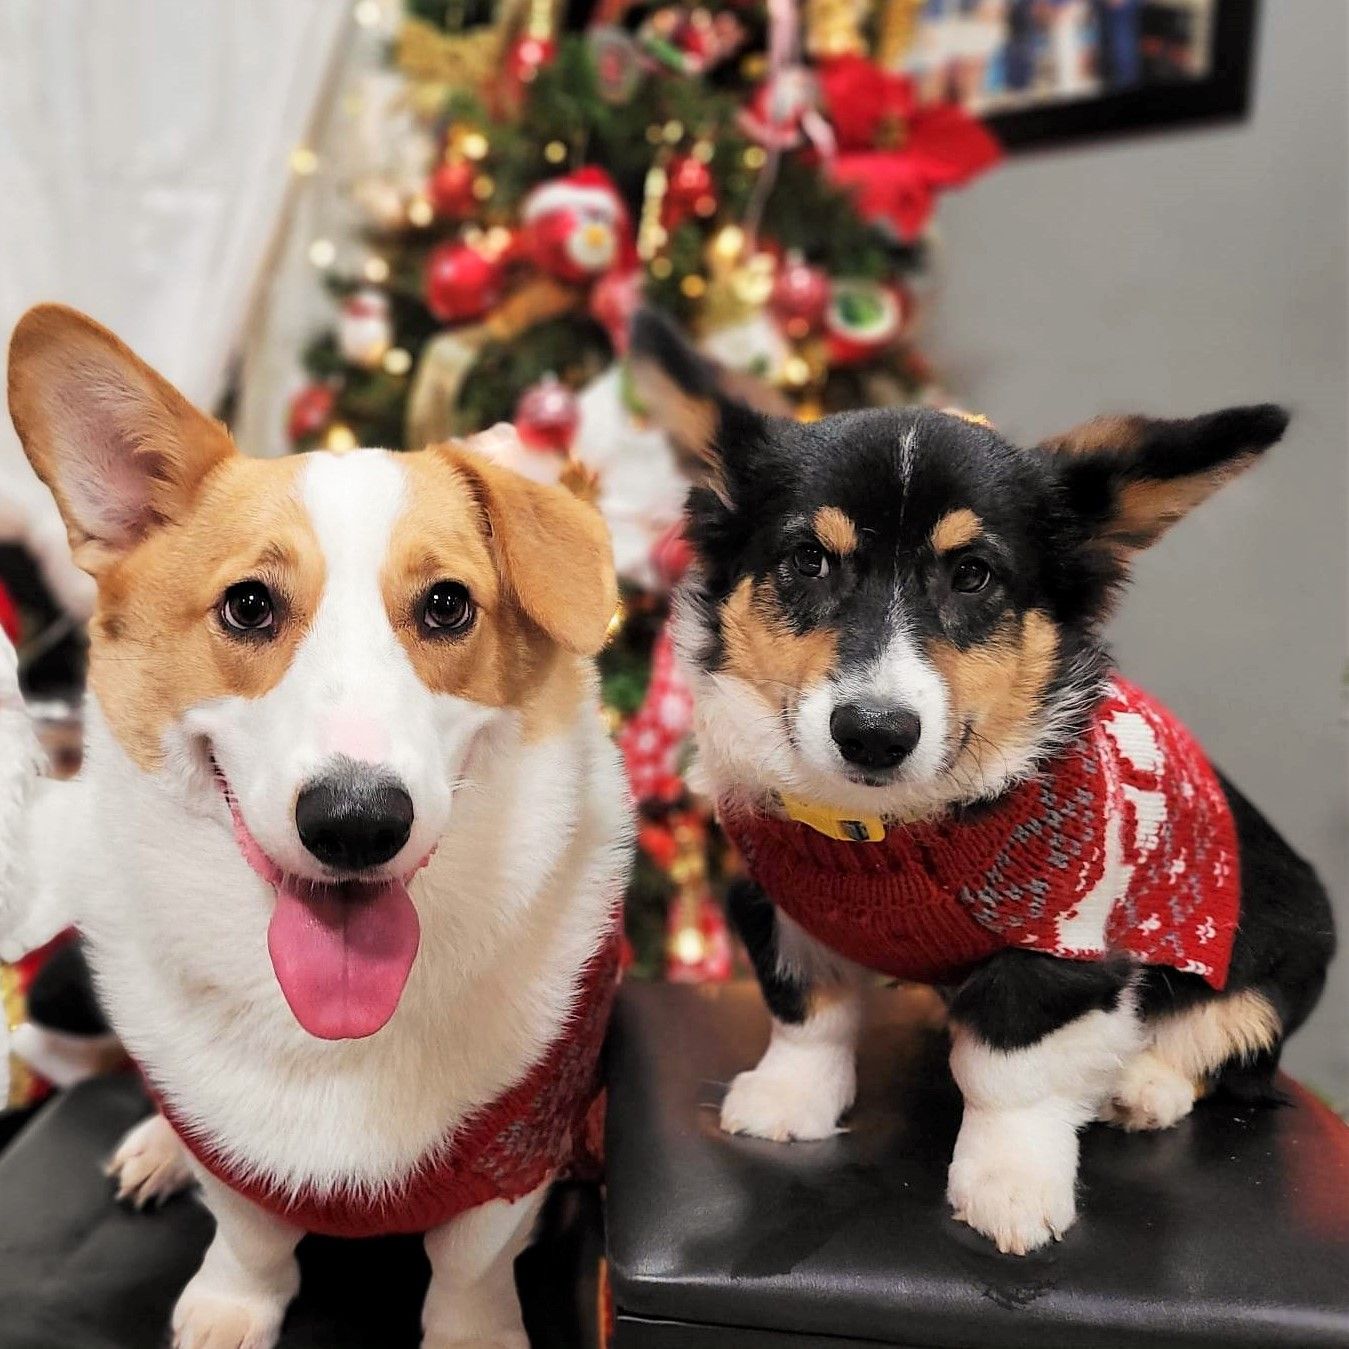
point(145, 157)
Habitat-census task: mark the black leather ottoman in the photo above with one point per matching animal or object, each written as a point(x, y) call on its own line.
point(78, 1271)
point(1232, 1229)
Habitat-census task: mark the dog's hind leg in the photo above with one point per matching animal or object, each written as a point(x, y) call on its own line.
point(471, 1302)
point(150, 1164)
point(238, 1298)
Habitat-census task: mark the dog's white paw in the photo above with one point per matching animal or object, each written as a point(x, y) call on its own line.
point(150, 1164)
point(1020, 1196)
point(206, 1319)
point(785, 1107)
point(1150, 1094)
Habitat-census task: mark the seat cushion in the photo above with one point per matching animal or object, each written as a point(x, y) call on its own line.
point(80, 1271)
point(1230, 1229)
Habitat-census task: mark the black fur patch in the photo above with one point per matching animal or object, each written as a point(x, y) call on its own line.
point(755, 920)
point(1018, 997)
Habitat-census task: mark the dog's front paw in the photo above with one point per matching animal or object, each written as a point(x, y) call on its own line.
point(785, 1107)
point(150, 1164)
point(1150, 1094)
point(205, 1319)
point(1020, 1197)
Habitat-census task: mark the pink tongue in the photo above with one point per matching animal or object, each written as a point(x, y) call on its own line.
point(342, 954)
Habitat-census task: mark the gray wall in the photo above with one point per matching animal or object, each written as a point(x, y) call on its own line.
point(1178, 273)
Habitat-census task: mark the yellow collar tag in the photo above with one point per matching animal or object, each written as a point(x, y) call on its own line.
point(867, 829)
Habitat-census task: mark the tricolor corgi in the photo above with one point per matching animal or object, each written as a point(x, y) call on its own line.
point(350, 837)
point(914, 734)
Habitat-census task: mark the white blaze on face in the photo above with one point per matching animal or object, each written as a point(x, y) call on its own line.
point(351, 690)
point(902, 677)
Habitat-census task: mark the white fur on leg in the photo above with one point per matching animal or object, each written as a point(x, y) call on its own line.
point(1150, 1094)
point(239, 1296)
point(1014, 1172)
point(471, 1302)
point(805, 1080)
point(150, 1164)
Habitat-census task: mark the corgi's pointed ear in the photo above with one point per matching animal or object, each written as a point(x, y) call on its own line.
point(699, 406)
point(553, 551)
point(121, 449)
point(1129, 479)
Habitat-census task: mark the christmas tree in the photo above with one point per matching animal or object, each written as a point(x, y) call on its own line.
point(760, 172)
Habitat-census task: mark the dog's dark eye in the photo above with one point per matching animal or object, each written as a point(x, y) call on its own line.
point(970, 575)
point(448, 608)
point(810, 559)
point(248, 607)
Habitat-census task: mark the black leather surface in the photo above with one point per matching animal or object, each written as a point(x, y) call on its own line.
point(78, 1271)
point(1232, 1229)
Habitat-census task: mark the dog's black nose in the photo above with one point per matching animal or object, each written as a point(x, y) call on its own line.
point(351, 821)
point(874, 735)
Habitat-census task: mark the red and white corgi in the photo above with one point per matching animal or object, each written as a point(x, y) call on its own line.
point(350, 837)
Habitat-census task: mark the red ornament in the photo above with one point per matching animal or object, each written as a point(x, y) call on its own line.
point(526, 57)
point(689, 191)
point(800, 296)
point(577, 227)
point(614, 301)
point(864, 318)
point(547, 415)
point(311, 409)
point(450, 189)
point(461, 282)
point(698, 944)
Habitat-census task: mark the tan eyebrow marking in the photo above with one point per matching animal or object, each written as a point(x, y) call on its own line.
point(956, 529)
point(835, 530)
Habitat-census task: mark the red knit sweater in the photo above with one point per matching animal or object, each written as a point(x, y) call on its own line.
point(509, 1147)
point(1124, 842)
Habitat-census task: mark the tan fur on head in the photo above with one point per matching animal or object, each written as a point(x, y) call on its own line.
point(764, 652)
point(553, 551)
point(835, 530)
point(997, 687)
point(956, 529)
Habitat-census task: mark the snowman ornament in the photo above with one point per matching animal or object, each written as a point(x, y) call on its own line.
point(577, 228)
point(365, 328)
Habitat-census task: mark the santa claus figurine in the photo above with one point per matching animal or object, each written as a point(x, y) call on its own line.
point(577, 228)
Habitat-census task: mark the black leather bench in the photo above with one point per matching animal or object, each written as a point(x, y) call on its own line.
point(79, 1271)
point(1232, 1229)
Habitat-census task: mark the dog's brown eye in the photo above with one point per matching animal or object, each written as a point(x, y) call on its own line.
point(248, 607)
point(970, 575)
point(809, 559)
point(447, 608)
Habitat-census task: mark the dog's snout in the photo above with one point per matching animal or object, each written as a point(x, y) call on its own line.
point(874, 735)
point(351, 822)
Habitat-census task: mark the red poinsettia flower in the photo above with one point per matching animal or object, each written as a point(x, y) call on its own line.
point(894, 153)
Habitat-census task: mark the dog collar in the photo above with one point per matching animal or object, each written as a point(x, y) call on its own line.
point(834, 824)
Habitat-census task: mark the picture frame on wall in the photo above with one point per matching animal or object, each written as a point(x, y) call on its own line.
point(1044, 72)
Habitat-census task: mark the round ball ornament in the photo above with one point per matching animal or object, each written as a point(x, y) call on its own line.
point(310, 411)
point(450, 189)
point(863, 318)
point(800, 296)
point(617, 62)
point(365, 328)
point(526, 57)
point(690, 190)
point(461, 282)
point(547, 415)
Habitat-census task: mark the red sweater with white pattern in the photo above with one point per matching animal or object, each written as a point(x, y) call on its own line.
point(544, 1124)
point(1123, 843)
